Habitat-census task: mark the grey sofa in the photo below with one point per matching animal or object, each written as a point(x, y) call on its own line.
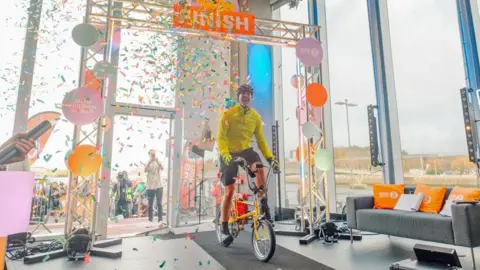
point(462, 229)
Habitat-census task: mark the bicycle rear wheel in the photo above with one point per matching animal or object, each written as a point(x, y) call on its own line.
point(264, 247)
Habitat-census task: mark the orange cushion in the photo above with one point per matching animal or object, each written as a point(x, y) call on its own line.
point(386, 196)
point(432, 198)
point(464, 194)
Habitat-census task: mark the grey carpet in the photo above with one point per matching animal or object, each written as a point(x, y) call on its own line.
point(240, 254)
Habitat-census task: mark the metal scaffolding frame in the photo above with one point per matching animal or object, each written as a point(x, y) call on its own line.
point(153, 16)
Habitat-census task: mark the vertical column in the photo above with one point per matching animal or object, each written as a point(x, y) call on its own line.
point(318, 16)
point(104, 192)
point(385, 89)
point(174, 186)
point(28, 65)
point(278, 112)
point(469, 23)
point(259, 68)
point(177, 155)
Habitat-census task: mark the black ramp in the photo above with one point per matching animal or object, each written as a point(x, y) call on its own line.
point(240, 254)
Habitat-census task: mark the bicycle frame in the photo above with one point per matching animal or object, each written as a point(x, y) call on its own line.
point(255, 212)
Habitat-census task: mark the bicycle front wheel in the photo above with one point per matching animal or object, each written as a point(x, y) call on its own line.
point(264, 246)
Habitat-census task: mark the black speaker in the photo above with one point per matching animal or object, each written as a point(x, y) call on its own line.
point(437, 255)
point(373, 136)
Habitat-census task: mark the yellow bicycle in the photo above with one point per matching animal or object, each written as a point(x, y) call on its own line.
point(263, 235)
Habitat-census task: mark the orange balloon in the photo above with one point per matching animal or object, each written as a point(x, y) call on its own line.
point(305, 153)
point(316, 94)
point(91, 81)
point(84, 160)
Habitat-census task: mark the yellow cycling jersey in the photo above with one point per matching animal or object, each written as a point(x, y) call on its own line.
point(236, 129)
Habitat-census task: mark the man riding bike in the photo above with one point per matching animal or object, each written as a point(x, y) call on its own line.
point(236, 129)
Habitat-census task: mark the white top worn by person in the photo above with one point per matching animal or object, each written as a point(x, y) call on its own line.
point(153, 170)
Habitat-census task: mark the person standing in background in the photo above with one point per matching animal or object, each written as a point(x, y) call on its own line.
point(153, 170)
point(123, 195)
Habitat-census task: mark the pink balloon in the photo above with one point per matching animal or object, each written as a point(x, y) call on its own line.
point(82, 106)
point(294, 81)
point(302, 113)
point(309, 52)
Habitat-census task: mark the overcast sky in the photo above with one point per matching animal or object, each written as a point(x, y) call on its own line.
point(428, 70)
point(426, 53)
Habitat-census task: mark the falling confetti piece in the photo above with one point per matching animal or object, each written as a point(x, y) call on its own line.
point(135, 249)
point(163, 264)
point(87, 258)
point(200, 263)
point(46, 258)
point(63, 240)
point(208, 262)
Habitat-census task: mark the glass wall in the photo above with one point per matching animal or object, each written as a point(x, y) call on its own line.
point(12, 28)
point(290, 104)
point(146, 73)
point(56, 73)
point(134, 137)
point(429, 74)
point(352, 89)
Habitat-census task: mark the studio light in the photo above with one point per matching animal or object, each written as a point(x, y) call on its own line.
point(464, 92)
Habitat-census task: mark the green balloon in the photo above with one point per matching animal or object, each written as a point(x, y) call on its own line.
point(85, 35)
point(323, 159)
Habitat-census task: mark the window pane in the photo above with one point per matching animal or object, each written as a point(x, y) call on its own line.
point(12, 28)
point(351, 82)
point(56, 73)
point(429, 74)
point(146, 69)
point(290, 104)
point(134, 137)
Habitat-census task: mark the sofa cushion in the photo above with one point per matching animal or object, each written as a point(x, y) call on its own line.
point(415, 225)
point(411, 190)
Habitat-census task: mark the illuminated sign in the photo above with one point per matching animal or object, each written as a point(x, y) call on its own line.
point(213, 20)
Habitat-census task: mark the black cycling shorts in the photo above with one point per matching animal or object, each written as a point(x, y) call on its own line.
point(229, 172)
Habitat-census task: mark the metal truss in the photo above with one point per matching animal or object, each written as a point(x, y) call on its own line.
point(317, 192)
point(109, 15)
point(155, 16)
point(82, 191)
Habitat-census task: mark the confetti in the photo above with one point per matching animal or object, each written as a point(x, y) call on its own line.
point(163, 264)
point(46, 258)
point(87, 258)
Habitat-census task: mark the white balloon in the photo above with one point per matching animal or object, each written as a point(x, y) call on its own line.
point(103, 69)
point(310, 130)
point(323, 159)
point(85, 35)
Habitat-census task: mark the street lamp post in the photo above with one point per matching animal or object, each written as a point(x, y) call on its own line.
point(347, 104)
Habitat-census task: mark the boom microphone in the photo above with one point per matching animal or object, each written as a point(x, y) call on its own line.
point(11, 151)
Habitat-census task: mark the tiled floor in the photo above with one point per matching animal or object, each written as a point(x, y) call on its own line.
point(373, 252)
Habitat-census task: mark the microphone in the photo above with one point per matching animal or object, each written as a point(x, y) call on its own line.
point(11, 151)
